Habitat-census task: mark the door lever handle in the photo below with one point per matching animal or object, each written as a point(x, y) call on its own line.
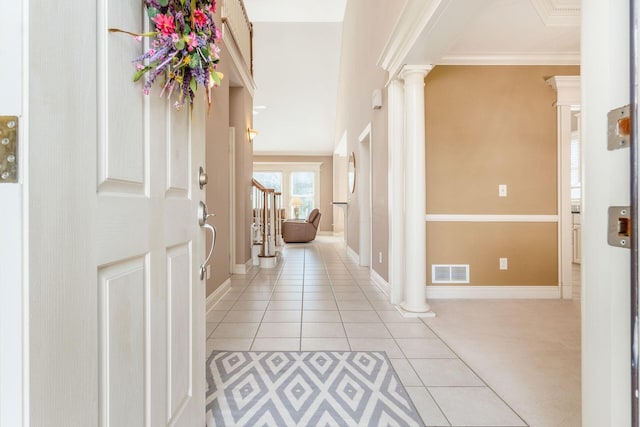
point(203, 216)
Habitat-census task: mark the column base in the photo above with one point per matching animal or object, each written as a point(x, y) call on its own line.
point(413, 312)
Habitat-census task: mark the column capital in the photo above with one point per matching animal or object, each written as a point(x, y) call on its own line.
point(411, 70)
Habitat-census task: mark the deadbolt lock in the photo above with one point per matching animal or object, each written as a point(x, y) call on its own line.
point(8, 149)
point(619, 234)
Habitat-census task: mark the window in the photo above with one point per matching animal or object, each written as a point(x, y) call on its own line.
point(576, 190)
point(299, 183)
point(302, 188)
point(269, 180)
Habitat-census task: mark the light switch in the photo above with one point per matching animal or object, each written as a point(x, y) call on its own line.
point(502, 190)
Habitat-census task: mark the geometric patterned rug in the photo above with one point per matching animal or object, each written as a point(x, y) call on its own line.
point(309, 388)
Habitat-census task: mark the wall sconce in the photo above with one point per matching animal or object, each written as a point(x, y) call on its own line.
point(252, 134)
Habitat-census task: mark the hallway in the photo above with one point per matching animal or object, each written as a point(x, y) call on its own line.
point(318, 299)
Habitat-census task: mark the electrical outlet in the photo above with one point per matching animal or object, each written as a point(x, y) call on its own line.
point(502, 190)
point(504, 264)
point(380, 257)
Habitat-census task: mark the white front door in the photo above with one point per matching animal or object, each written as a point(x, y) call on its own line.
point(116, 305)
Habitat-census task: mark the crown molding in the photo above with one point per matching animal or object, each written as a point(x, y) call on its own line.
point(557, 13)
point(510, 58)
point(414, 17)
point(568, 88)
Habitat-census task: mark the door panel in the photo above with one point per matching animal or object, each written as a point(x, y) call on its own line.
point(122, 325)
point(180, 312)
point(178, 154)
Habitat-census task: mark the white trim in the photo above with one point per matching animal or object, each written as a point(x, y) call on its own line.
point(558, 13)
point(14, 222)
point(217, 295)
point(567, 88)
point(353, 255)
point(493, 292)
point(490, 218)
point(232, 198)
point(413, 19)
point(243, 268)
point(238, 61)
point(258, 153)
point(507, 58)
point(380, 282)
point(365, 203)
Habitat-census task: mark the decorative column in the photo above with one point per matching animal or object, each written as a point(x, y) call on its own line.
point(568, 101)
point(415, 234)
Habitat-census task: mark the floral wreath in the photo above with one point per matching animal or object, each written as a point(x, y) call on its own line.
point(183, 48)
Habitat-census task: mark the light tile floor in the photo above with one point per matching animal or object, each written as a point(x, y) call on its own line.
point(318, 299)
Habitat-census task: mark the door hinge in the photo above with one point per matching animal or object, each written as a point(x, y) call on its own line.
point(8, 149)
point(619, 128)
point(619, 234)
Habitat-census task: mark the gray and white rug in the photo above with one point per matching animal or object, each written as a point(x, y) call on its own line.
point(317, 388)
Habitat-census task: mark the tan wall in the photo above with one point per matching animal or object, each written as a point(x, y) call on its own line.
point(217, 167)
point(240, 117)
point(326, 182)
point(487, 126)
point(531, 250)
point(367, 25)
point(229, 107)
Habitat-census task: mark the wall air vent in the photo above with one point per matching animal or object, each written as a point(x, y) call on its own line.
point(458, 273)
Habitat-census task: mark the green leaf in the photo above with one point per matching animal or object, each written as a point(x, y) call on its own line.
point(152, 12)
point(163, 3)
point(215, 77)
point(193, 85)
point(195, 61)
point(180, 44)
point(140, 73)
point(187, 29)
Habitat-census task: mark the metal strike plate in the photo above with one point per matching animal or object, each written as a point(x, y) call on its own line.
point(8, 149)
point(619, 128)
point(619, 234)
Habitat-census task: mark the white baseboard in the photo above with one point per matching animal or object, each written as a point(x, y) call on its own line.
point(218, 294)
point(243, 268)
point(353, 255)
point(493, 292)
point(380, 282)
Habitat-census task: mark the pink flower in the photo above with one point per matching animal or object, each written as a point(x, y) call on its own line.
point(212, 8)
point(199, 18)
point(218, 34)
point(165, 24)
point(139, 66)
point(192, 41)
point(175, 38)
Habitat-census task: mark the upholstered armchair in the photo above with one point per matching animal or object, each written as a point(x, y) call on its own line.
point(295, 231)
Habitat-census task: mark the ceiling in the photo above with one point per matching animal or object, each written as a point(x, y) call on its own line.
point(297, 47)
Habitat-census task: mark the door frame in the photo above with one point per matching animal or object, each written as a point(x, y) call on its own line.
point(365, 199)
point(232, 200)
point(14, 238)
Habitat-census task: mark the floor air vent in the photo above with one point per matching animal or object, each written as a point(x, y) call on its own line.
point(450, 273)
